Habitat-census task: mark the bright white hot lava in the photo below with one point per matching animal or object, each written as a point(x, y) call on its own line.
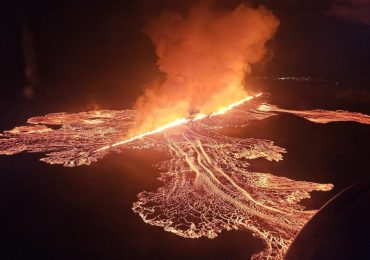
point(207, 184)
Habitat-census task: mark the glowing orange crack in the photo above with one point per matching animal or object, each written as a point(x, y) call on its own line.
point(233, 105)
point(180, 121)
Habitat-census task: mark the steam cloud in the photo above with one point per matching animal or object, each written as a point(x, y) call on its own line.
point(205, 56)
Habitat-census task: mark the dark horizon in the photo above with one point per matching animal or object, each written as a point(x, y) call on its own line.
point(97, 51)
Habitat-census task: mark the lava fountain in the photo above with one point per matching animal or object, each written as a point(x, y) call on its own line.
point(207, 186)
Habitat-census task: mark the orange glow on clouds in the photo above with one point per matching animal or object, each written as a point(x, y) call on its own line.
point(205, 56)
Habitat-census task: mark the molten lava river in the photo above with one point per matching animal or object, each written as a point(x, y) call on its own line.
point(207, 186)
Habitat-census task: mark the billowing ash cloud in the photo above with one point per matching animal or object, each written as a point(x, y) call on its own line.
point(205, 56)
point(356, 10)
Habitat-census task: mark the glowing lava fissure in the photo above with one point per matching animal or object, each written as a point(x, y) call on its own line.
point(180, 121)
point(207, 185)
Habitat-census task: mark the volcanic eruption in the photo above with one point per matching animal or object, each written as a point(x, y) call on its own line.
point(208, 186)
point(205, 55)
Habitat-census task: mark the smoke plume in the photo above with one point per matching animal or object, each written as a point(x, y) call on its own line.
point(205, 56)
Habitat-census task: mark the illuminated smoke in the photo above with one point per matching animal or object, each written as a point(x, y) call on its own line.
point(205, 55)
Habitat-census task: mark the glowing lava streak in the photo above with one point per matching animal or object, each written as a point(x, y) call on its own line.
point(208, 186)
point(179, 121)
point(233, 105)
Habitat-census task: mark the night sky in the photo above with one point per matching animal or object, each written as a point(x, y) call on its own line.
point(93, 53)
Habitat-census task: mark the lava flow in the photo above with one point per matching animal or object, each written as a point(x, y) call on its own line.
point(207, 186)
